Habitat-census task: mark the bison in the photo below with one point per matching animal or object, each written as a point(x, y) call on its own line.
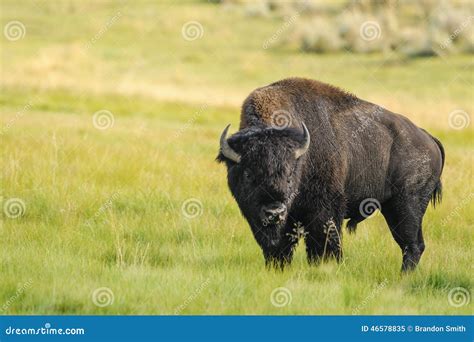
point(309, 155)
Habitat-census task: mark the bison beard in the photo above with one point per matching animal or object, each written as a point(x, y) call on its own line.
point(334, 155)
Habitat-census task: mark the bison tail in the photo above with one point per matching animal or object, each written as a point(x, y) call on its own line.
point(441, 150)
point(438, 191)
point(351, 226)
point(437, 194)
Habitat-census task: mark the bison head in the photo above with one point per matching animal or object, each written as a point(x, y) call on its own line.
point(264, 172)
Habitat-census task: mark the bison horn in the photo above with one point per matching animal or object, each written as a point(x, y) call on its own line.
point(226, 150)
point(304, 147)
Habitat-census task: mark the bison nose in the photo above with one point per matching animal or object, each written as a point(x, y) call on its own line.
point(274, 212)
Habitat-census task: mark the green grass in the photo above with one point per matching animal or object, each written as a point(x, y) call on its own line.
point(103, 208)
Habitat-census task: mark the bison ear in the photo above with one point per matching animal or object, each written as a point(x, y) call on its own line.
point(220, 158)
point(305, 144)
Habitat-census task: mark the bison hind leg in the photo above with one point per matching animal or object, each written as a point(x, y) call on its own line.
point(404, 216)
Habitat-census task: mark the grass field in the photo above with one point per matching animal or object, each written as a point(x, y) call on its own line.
point(130, 214)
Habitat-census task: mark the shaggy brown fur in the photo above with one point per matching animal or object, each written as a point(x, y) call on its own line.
point(264, 104)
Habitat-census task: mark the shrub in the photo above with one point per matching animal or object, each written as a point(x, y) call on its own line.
point(319, 36)
point(416, 42)
point(361, 33)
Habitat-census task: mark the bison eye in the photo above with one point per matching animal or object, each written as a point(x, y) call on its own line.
point(248, 175)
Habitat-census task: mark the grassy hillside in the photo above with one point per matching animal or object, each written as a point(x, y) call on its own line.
point(131, 215)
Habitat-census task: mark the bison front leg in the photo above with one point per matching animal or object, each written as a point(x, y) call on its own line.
point(281, 255)
point(278, 257)
point(324, 240)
